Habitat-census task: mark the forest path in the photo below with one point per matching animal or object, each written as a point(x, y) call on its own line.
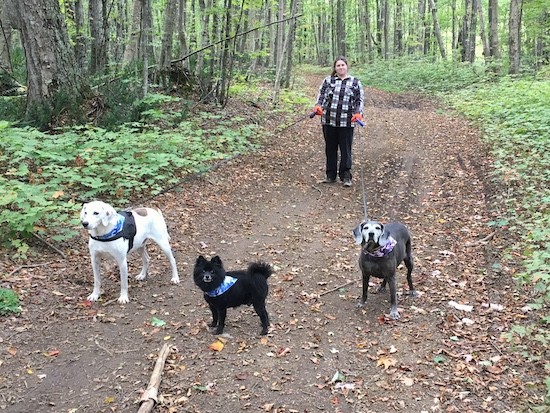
point(421, 166)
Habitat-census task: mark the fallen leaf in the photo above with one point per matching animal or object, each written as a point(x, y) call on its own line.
point(407, 381)
point(12, 351)
point(386, 362)
point(216, 346)
point(157, 322)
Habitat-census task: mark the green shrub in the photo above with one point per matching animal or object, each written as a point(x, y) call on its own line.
point(9, 302)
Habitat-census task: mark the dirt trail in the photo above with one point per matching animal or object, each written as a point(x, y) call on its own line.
point(424, 168)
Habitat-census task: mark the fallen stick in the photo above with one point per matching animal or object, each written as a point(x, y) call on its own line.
point(149, 397)
point(481, 241)
point(335, 288)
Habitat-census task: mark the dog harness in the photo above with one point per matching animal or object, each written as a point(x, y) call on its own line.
point(383, 250)
point(125, 227)
point(226, 284)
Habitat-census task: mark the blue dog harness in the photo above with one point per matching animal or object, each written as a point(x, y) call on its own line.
point(226, 284)
point(125, 227)
point(383, 250)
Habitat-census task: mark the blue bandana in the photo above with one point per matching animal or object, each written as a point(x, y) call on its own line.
point(112, 235)
point(383, 249)
point(224, 286)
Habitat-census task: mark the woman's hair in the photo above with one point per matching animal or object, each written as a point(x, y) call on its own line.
point(343, 59)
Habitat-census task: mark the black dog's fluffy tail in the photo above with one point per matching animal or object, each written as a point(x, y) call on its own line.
point(260, 268)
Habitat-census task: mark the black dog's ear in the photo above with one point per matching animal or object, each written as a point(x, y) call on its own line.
point(216, 260)
point(200, 259)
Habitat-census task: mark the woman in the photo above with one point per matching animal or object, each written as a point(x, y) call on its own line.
point(340, 105)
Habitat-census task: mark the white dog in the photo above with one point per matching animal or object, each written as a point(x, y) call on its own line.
point(116, 235)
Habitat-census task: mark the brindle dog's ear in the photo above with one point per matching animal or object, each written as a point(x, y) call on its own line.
point(384, 237)
point(358, 233)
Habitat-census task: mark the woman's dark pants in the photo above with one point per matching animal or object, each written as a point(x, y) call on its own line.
point(338, 138)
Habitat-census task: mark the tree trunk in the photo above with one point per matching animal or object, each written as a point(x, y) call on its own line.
point(494, 42)
point(464, 38)
point(340, 29)
point(437, 31)
point(483, 33)
point(379, 26)
point(422, 25)
point(182, 39)
point(75, 12)
point(131, 52)
point(170, 16)
point(5, 37)
point(121, 32)
point(473, 31)
point(398, 35)
point(294, 6)
point(386, 18)
point(51, 66)
point(98, 49)
point(514, 35)
point(222, 97)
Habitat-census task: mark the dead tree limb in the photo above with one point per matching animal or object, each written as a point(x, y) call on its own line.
point(150, 397)
point(232, 37)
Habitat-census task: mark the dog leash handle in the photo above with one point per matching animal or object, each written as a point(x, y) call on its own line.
point(360, 122)
point(312, 115)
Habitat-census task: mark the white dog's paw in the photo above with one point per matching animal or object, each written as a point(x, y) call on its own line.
point(93, 297)
point(123, 299)
point(141, 276)
point(175, 280)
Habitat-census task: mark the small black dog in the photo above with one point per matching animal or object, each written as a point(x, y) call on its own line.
point(233, 288)
point(384, 247)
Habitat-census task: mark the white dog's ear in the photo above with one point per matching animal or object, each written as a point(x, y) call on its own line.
point(358, 233)
point(108, 213)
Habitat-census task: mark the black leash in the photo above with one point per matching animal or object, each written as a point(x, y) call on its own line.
point(361, 124)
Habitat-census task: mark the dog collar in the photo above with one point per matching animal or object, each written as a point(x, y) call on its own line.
point(383, 249)
point(115, 233)
point(226, 284)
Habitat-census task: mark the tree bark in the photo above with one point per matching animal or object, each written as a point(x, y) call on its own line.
point(483, 32)
point(398, 33)
point(472, 31)
point(98, 49)
point(437, 31)
point(494, 42)
point(170, 15)
point(51, 65)
point(514, 33)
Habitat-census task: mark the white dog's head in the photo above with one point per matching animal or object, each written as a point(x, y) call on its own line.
point(370, 233)
point(95, 214)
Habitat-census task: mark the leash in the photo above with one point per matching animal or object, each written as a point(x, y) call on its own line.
point(300, 119)
point(361, 124)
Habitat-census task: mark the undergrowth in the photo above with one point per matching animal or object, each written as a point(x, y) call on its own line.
point(44, 178)
point(9, 302)
point(516, 119)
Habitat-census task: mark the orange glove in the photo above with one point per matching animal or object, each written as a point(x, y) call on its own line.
point(318, 110)
point(357, 117)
